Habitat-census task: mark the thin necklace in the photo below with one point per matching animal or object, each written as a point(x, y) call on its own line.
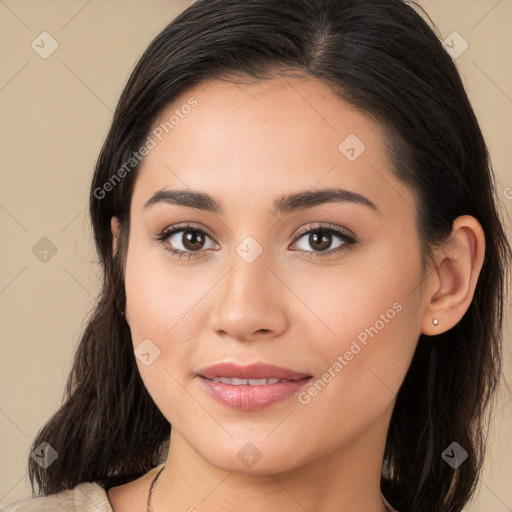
point(149, 508)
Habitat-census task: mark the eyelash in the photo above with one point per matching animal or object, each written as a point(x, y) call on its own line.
point(348, 240)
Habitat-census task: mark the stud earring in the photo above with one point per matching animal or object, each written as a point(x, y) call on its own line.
point(435, 321)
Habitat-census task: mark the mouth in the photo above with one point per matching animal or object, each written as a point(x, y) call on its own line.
point(250, 388)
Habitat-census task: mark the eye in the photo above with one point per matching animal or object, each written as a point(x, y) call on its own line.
point(320, 238)
point(184, 240)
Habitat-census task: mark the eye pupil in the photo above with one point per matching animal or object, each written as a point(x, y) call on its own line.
point(321, 242)
point(193, 240)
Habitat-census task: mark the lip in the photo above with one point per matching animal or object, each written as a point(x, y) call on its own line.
point(251, 371)
point(248, 397)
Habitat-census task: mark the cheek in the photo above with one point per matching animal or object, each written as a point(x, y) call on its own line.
point(369, 320)
point(355, 295)
point(359, 373)
point(159, 327)
point(159, 294)
point(161, 307)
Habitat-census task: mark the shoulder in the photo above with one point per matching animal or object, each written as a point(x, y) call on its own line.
point(85, 497)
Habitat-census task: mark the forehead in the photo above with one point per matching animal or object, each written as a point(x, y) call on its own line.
point(280, 112)
point(263, 138)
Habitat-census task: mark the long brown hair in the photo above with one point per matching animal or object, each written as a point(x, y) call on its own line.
point(382, 57)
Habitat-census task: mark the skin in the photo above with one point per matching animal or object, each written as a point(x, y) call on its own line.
point(247, 145)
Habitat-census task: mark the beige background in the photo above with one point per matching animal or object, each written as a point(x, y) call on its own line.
point(55, 115)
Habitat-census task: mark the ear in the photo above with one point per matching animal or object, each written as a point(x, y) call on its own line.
point(451, 285)
point(115, 228)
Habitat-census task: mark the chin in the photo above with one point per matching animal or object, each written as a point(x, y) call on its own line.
point(254, 458)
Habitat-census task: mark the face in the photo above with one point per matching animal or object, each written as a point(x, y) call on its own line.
point(326, 286)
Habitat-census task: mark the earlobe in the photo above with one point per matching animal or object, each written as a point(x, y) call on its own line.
point(453, 281)
point(114, 227)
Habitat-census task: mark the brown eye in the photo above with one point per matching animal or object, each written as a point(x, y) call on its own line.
point(320, 239)
point(185, 240)
point(192, 240)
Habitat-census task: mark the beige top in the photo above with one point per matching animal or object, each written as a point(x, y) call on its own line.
point(85, 497)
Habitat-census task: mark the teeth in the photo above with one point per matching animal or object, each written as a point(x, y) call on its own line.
point(252, 382)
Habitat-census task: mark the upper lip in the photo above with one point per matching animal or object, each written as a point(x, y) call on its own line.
point(251, 371)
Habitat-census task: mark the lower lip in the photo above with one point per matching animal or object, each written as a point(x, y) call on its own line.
point(251, 398)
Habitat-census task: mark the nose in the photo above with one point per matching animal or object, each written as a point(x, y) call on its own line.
point(250, 301)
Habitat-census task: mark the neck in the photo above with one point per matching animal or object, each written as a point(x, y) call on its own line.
point(344, 479)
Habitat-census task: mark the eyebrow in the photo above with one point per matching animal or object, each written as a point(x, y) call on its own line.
point(286, 204)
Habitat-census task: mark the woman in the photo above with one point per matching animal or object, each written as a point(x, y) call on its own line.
point(304, 274)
